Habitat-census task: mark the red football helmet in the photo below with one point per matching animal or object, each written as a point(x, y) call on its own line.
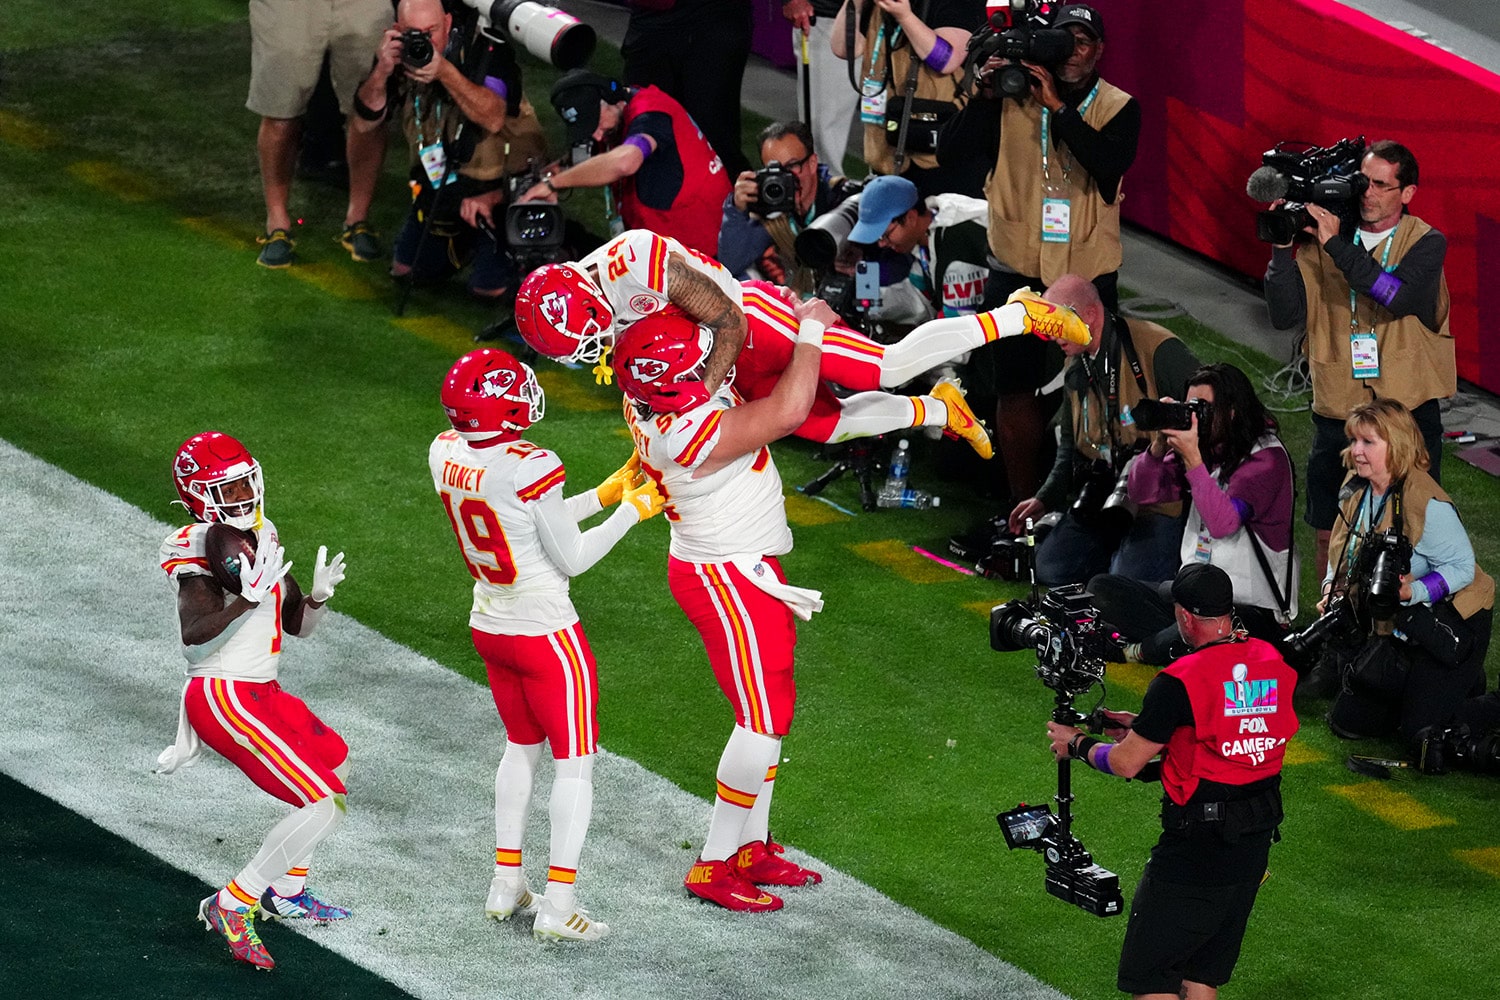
point(657, 351)
point(564, 315)
point(219, 481)
point(490, 394)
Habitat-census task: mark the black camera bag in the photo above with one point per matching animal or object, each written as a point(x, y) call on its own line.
point(1378, 670)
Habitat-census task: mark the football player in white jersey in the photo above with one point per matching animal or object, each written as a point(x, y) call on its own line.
point(576, 311)
point(728, 525)
point(233, 701)
point(520, 541)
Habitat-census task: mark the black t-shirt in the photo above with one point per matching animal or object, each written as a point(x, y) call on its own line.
point(659, 180)
point(1198, 855)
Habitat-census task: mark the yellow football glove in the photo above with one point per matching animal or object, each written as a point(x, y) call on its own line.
point(610, 491)
point(646, 499)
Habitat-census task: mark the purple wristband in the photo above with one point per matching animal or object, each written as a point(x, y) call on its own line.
point(1099, 759)
point(1437, 587)
point(938, 57)
point(1385, 288)
point(639, 142)
point(494, 83)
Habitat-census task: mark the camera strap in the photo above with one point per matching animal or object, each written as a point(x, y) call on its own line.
point(908, 91)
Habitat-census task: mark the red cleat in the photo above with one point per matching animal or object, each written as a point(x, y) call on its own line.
point(763, 864)
point(238, 929)
point(719, 882)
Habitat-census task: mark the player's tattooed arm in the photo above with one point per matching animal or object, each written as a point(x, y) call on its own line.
point(700, 297)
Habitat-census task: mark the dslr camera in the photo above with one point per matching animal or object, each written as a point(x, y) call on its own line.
point(1373, 596)
point(776, 191)
point(1104, 501)
point(416, 48)
point(1160, 415)
point(1302, 174)
point(1022, 31)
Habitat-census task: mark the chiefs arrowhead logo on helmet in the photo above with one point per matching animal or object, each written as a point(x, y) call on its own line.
point(497, 383)
point(561, 313)
point(489, 394)
point(648, 370)
point(186, 466)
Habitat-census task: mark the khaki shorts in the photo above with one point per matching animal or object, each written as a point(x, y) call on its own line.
point(287, 42)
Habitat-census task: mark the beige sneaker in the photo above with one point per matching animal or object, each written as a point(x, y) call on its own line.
point(553, 925)
point(961, 419)
point(508, 896)
point(1050, 320)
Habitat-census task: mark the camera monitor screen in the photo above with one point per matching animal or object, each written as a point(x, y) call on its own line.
point(1024, 826)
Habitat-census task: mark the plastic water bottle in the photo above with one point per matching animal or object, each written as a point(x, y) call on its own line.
point(895, 480)
point(908, 497)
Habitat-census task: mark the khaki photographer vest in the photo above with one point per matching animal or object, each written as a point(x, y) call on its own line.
point(931, 86)
point(1416, 492)
point(1089, 438)
point(1416, 364)
point(1015, 190)
point(496, 154)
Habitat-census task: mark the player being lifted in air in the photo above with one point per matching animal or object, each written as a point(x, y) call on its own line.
point(728, 526)
point(575, 311)
point(236, 603)
point(520, 541)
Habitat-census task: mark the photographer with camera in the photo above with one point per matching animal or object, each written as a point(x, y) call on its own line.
point(768, 208)
point(664, 175)
point(1375, 302)
point(1062, 139)
point(469, 127)
point(1220, 717)
point(1220, 451)
point(909, 53)
point(1124, 363)
point(1404, 575)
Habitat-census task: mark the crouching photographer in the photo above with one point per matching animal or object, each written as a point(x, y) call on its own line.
point(458, 94)
point(768, 208)
point(1220, 450)
point(1221, 717)
point(1402, 575)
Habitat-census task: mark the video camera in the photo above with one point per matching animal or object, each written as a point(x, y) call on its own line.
point(1022, 32)
point(1071, 649)
point(1302, 173)
point(552, 35)
point(535, 231)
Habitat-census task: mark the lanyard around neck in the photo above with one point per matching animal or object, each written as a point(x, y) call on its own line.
point(1385, 259)
point(1047, 131)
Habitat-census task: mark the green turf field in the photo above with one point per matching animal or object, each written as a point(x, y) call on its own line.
point(133, 316)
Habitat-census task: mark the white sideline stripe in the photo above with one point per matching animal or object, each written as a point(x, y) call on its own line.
point(93, 675)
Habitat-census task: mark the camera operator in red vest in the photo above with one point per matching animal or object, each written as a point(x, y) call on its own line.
point(1220, 717)
point(666, 176)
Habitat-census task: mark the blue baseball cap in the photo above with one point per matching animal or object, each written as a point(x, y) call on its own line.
point(883, 199)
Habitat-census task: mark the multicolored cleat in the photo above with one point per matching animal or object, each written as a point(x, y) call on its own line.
point(508, 897)
point(303, 906)
point(763, 864)
point(238, 929)
point(719, 882)
point(1050, 320)
point(552, 925)
point(961, 420)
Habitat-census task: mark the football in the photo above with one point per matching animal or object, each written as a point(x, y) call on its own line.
point(222, 547)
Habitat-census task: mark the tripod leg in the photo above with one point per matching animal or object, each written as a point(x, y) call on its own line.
point(816, 486)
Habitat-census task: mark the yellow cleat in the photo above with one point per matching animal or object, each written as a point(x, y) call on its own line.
point(1050, 320)
point(961, 419)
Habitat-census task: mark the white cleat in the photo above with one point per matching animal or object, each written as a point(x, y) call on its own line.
point(576, 926)
point(508, 897)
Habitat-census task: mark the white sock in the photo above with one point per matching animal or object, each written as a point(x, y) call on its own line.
point(944, 339)
point(569, 810)
point(290, 840)
point(866, 414)
point(741, 776)
point(513, 780)
point(758, 825)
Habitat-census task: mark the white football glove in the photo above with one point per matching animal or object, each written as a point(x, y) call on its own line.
point(259, 578)
point(326, 575)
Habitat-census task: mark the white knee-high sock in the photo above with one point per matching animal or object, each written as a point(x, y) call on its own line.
point(758, 824)
point(741, 777)
point(571, 807)
point(944, 339)
point(513, 780)
point(866, 414)
point(293, 838)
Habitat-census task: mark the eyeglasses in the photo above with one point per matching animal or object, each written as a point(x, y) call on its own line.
point(1385, 185)
point(795, 165)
